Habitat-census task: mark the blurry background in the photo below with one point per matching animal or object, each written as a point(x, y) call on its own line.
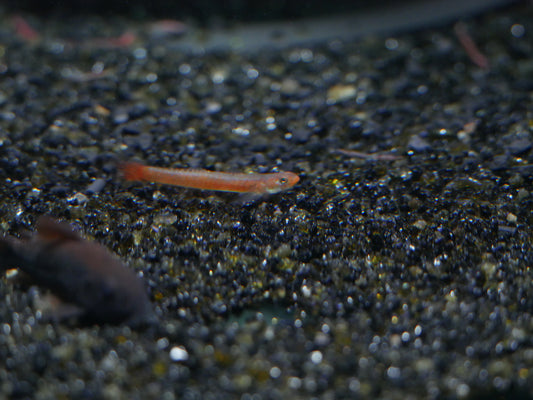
point(237, 10)
point(202, 10)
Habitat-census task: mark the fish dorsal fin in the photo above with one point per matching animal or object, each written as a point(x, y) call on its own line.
point(52, 230)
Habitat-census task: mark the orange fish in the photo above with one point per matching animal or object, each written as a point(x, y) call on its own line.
point(211, 180)
point(95, 286)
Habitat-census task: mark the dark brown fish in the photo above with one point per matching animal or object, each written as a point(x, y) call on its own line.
point(95, 284)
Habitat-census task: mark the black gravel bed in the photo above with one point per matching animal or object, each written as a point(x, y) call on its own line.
point(399, 267)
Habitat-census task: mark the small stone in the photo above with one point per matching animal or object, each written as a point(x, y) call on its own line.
point(340, 93)
point(179, 353)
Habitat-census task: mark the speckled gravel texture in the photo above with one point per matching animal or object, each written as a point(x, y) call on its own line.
point(401, 279)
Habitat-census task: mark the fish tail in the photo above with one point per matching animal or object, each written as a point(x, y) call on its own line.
point(9, 256)
point(132, 171)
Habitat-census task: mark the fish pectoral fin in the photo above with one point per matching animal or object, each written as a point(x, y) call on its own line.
point(246, 198)
point(53, 230)
point(55, 310)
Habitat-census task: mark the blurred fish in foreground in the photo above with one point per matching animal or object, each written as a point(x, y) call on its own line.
point(94, 286)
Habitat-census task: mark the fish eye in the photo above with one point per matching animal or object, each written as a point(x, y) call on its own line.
point(283, 180)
